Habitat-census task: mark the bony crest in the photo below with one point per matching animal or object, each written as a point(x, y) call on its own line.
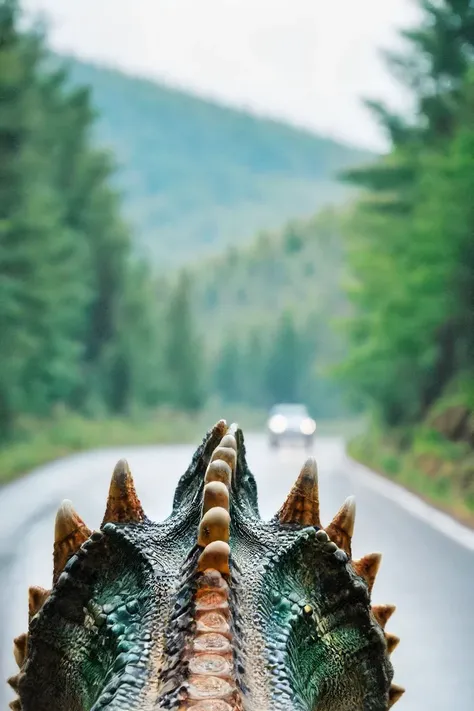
point(123, 504)
point(219, 637)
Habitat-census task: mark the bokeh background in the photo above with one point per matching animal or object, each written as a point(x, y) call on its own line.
point(208, 208)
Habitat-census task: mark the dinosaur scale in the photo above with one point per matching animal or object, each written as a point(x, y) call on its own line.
point(212, 609)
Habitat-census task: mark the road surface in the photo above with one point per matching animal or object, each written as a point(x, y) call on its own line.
point(427, 568)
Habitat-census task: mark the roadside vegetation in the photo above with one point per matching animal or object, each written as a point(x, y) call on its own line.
point(84, 324)
point(91, 330)
point(410, 246)
point(363, 309)
point(38, 442)
point(267, 310)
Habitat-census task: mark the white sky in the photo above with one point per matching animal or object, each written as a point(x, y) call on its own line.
point(306, 61)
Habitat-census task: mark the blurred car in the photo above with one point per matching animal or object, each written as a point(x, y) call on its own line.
point(290, 422)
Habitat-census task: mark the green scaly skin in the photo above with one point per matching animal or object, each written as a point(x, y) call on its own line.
point(112, 632)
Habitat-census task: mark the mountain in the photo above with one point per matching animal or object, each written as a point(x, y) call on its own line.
point(298, 268)
point(197, 176)
point(245, 298)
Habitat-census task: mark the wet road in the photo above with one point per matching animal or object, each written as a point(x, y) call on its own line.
point(427, 567)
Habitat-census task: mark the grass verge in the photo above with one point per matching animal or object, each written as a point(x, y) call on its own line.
point(38, 442)
point(437, 469)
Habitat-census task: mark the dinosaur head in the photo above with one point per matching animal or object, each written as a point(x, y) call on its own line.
point(212, 609)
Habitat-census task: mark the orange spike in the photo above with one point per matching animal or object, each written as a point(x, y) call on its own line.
point(341, 528)
point(383, 613)
point(302, 503)
point(226, 454)
point(219, 429)
point(216, 493)
point(69, 534)
point(14, 681)
point(229, 440)
point(215, 555)
point(218, 470)
point(20, 645)
point(37, 596)
point(214, 526)
point(394, 694)
point(392, 641)
point(367, 568)
point(123, 505)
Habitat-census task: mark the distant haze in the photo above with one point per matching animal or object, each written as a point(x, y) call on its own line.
point(307, 61)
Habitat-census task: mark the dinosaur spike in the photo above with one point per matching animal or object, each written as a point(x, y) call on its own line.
point(227, 454)
point(69, 534)
point(218, 470)
point(229, 441)
point(341, 528)
point(215, 494)
point(217, 432)
point(14, 681)
point(37, 596)
point(394, 694)
point(368, 567)
point(302, 504)
point(383, 613)
point(392, 641)
point(214, 649)
point(214, 526)
point(20, 645)
point(215, 555)
point(123, 505)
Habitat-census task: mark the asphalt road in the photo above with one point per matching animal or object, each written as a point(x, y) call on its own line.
point(427, 567)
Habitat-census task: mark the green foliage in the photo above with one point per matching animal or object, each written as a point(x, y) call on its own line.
point(42, 295)
point(410, 240)
point(79, 318)
point(37, 441)
point(268, 311)
point(199, 176)
point(183, 351)
point(440, 470)
point(284, 362)
point(411, 252)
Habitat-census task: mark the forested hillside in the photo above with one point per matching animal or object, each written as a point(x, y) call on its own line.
point(270, 313)
point(197, 176)
point(82, 329)
point(90, 331)
point(411, 253)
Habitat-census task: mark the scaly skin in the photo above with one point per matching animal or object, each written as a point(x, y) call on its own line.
point(212, 609)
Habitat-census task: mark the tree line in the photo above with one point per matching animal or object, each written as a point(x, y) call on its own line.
point(84, 324)
point(410, 239)
point(278, 363)
point(268, 309)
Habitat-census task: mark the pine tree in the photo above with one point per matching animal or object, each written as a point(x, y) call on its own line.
point(134, 360)
point(412, 264)
point(77, 313)
point(183, 353)
point(253, 383)
point(227, 376)
point(283, 369)
point(42, 291)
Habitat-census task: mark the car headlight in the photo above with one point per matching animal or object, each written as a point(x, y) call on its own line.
point(308, 426)
point(278, 424)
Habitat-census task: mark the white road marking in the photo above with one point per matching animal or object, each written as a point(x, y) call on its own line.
point(417, 507)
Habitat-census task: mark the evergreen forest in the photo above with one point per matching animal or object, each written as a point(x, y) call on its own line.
point(159, 252)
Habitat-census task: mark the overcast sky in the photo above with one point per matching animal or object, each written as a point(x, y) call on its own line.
point(306, 61)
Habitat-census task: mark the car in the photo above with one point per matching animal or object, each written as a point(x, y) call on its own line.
point(290, 422)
